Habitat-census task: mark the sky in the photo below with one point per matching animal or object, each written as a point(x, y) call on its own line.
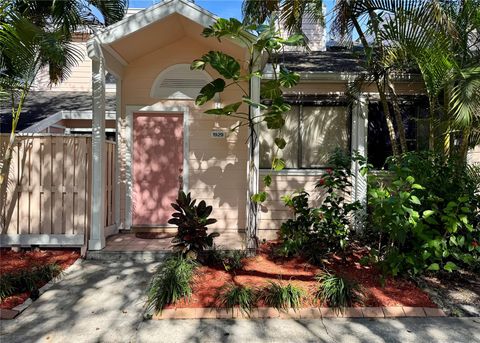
point(222, 8)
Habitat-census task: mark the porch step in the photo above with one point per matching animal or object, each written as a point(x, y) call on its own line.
point(136, 256)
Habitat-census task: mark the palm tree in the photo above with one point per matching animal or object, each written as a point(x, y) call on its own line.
point(442, 40)
point(349, 16)
point(438, 37)
point(37, 34)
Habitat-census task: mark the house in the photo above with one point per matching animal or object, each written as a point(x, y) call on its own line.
point(163, 141)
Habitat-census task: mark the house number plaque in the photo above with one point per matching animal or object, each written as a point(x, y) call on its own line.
point(217, 134)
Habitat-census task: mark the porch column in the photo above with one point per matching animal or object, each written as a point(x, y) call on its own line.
point(118, 155)
point(253, 169)
point(97, 236)
point(359, 144)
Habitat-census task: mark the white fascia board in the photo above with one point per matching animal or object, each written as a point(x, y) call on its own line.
point(43, 124)
point(155, 13)
point(109, 115)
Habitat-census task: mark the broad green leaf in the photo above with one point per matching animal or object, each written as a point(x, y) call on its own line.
point(267, 180)
point(280, 143)
point(274, 120)
point(254, 104)
point(226, 111)
point(224, 27)
point(287, 78)
point(270, 89)
point(410, 179)
point(278, 164)
point(209, 90)
point(414, 199)
point(259, 197)
point(433, 266)
point(428, 213)
point(296, 39)
point(453, 240)
point(198, 65)
point(450, 266)
point(226, 65)
point(417, 186)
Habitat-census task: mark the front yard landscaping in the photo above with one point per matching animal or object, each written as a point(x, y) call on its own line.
point(23, 273)
point(420, 229)
point(258, 271)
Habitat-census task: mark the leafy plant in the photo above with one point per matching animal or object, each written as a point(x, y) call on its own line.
point(282, 297)
point(171, 282)
point(427, 217)
point(295, 233)
point(259, 41)
point(317, 231)
point(338, 292)
point(232, 295)
point(231, 260)
point(28, 280)
point(192, 221)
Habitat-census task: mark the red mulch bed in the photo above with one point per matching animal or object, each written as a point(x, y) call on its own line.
point(261, 269)
point(11, 261)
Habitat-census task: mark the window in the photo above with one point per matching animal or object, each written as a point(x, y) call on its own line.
point(311, 132)
point(415, 120)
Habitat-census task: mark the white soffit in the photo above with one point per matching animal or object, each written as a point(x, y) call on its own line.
point(155, 13)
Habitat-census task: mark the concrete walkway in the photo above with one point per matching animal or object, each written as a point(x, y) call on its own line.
point(102, 302)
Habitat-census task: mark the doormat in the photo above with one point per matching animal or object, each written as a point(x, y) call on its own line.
point(154, 235)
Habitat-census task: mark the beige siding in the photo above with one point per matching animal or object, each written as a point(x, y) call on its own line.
point(274, 212)
point(474, 155)
point(80, 79)
point(217, 167)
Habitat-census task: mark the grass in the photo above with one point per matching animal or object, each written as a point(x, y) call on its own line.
point(27, 280)
point(232, 295)
point(282, 297)
point(172, 282)
point(338, 292)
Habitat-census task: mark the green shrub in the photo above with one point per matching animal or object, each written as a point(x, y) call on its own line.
point(427, 217)
point(192, 221)
point(282, 297)
point(295, 233)
point(27, 280)
point(230, 260)
point(338, 292)
point(171, 282)
point(319, 231)
point(232, 295)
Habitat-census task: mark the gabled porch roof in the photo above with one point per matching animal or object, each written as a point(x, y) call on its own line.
point(151, 29)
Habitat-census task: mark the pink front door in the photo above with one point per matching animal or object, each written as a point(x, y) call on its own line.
point(157, 166)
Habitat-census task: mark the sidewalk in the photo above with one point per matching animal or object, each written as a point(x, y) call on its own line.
point(102, 302)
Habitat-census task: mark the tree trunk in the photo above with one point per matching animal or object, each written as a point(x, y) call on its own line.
point(388, 119)
point(398, 117)
point(431, 128)
point(7, 159)
point(381, 91)
point(463, 150)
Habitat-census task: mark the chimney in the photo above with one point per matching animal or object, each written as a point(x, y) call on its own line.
point(313, 30)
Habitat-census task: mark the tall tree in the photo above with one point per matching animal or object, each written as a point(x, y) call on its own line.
point(37, 34)
point(441, 39)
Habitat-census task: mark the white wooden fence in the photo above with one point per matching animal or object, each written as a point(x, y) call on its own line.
point(47, 201)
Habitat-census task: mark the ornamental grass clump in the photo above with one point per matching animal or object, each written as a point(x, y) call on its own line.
point(28, 280)
point(232, 295)
point(282, 297)
point(338, 292)
point(172, 282)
